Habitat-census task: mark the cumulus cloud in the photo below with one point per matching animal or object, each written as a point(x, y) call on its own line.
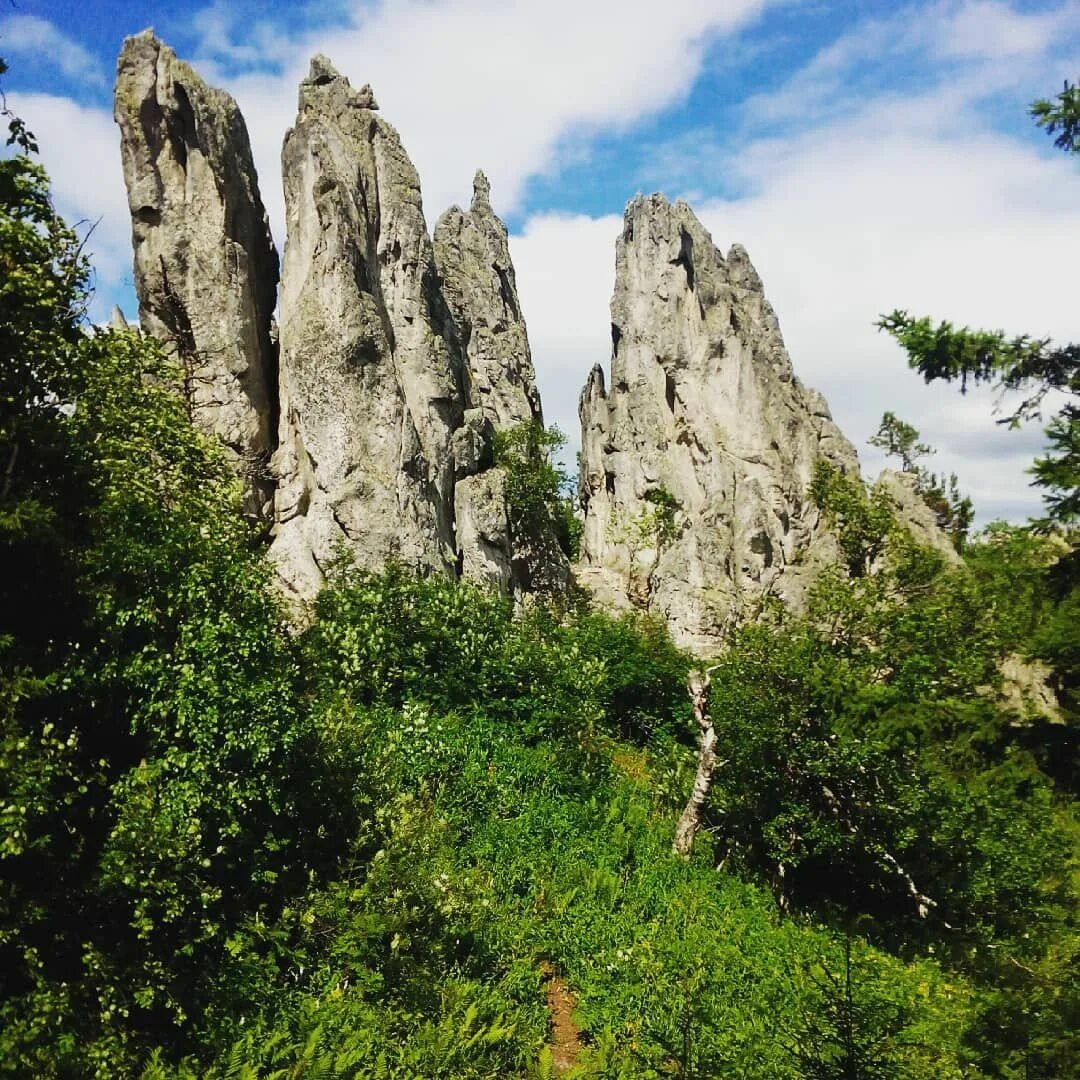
point(29, 35)
point(565, 269)
point(80, 147)
point(497, 84)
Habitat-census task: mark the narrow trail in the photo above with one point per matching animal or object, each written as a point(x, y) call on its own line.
point(566, 1045)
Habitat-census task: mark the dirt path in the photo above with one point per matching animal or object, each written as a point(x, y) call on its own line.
point(566, 1044)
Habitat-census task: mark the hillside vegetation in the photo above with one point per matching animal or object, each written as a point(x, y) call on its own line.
point(380, 846)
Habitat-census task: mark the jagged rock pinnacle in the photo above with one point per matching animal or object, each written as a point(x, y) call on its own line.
point(472, 255)
point(696, 465)
point(322, 71)
point(481, 199)
point(370, 390)
point(206, 270)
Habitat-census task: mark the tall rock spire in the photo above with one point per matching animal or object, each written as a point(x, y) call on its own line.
point(696, 464)
point(370, 386)
point(206, 270)
point(472, 254)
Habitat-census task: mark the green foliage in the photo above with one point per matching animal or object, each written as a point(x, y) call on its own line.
point(392, 639)
point(1061, 117)
point(899, 439)
point(1034, 367)
point(537, 490)
point(18, 133)
point(151, 751)
point(871, 1018)
point(863, 524)
point(982, 356)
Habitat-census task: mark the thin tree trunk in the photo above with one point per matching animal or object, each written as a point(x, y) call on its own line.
point(697, 683)
point(9, 472)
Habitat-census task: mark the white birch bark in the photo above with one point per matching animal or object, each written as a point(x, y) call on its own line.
point(698, 685)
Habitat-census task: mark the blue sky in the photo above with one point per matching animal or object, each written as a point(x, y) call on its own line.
point(869, 155)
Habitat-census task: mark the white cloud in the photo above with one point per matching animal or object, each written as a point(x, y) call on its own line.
point(497, 84)
point(868, 62)
point(29, 35)
point(565, 270)
point(80, 147)
point(991, 30)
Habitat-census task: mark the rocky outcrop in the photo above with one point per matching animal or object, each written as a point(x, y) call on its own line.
point(477, 278)
point(402, 359)
point(901, 494)
point(371, 390)
point(472, 255)
point(697, 462)
point(206, 270)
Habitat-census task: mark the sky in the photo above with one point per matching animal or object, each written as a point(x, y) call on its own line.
point(869, 155)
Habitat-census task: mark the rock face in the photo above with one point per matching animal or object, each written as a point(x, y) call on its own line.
point(910, 510)
point(473, 259)
point(472, 255)
point(206, 270)
point(696, 465)
point(371, 390)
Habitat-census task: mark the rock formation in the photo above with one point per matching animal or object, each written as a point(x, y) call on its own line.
point(370, 389)
point(402, 358)
point(472, 255)
point(473, 259)
point(206, 270)
point(696, 465)
point(909, 508)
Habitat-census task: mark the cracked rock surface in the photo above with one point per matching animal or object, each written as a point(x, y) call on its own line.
point(205, 266)
point(370, 386)
point(697, 459)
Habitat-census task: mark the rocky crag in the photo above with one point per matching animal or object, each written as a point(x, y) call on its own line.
point(370, 388)
point(697, 462)
point(402, 355)
point(472, 257)
point(399, 359)
point(206, 270)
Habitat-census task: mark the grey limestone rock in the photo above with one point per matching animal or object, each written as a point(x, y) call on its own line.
point(697, 461)
point(206, 270)
point(483, 530)
point(473, 444)
point(370, 384)
point(477, 278)
point(472, 255)
point(910, 510)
